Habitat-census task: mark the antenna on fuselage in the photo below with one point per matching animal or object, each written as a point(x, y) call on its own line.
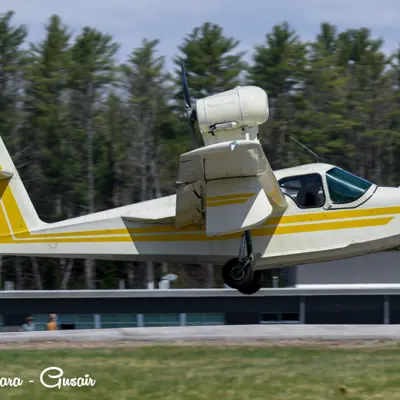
point(302, 145)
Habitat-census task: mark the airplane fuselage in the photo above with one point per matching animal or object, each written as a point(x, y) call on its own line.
point(320, 232)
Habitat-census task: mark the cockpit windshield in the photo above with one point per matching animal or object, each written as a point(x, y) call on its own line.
point(345, 187)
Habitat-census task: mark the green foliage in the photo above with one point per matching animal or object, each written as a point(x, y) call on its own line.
point(212, 61)
point(278, 65)
point(46, 76)
point(93, 61)
point(279, 68)
point(11, 71)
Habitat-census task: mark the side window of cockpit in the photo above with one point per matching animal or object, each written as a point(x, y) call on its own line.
point(306, 190)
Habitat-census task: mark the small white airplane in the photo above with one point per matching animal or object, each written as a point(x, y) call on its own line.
point(230, 208)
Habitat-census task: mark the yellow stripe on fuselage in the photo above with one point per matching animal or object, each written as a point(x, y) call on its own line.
point(279, 225)
point(333, 215)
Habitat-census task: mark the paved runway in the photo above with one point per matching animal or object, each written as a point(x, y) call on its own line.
point(224, 333)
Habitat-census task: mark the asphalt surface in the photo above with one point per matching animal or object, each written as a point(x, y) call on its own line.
point(228, 333)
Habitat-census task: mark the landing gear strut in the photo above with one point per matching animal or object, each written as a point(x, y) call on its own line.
point(238, 272)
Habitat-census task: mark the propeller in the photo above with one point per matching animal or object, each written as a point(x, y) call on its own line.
point(190, 113)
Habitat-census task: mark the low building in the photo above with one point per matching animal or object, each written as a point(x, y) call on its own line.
point(362, 290)
point(378, 268)
point(346, 304)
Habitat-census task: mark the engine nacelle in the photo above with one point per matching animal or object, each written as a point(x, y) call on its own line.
point(232, 115)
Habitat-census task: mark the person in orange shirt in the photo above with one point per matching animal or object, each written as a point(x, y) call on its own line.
point(52, 324)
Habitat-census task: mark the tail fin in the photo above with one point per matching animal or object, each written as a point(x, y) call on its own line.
point(16, 205)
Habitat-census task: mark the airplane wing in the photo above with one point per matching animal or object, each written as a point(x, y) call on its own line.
point(151, 221)
point(155, 211)
point(229, 185)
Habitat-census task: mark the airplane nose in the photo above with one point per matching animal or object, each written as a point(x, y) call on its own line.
point(384, 197)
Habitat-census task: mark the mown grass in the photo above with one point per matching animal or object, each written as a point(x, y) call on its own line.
point(209, 372)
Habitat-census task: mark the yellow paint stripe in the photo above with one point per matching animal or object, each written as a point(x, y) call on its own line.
point(284, 230)
point(4, 228)
point(172, 229)
point(226, 203)
point(231, 196)
point(122, 231)
point(112, 239)
point(280, 230)
point(105, 232)
point(17, 222)
point(324, 226)
point(12, 210)
point(332, 215)
point(19, 227)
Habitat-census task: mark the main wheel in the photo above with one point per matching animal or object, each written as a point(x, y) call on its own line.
point(236, 273)
point(254, 286)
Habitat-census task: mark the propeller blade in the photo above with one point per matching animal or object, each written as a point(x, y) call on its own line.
point(185, 87)
point(190, 113)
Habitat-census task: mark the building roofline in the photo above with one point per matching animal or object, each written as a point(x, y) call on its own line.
point(305, 290)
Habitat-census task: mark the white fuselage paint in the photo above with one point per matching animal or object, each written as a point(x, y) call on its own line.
point(271, 250)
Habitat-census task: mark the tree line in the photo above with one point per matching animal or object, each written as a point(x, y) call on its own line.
point(88, 133)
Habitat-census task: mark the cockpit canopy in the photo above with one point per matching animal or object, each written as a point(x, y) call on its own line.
point(345, 187)
point(307, 190)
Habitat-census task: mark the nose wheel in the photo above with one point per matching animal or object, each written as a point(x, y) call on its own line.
point(238, 272)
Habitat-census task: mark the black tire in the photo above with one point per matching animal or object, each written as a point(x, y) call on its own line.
point(254, 286)
point(229, 280)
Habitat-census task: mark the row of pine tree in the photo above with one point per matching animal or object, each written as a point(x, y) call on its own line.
point(88, 132)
